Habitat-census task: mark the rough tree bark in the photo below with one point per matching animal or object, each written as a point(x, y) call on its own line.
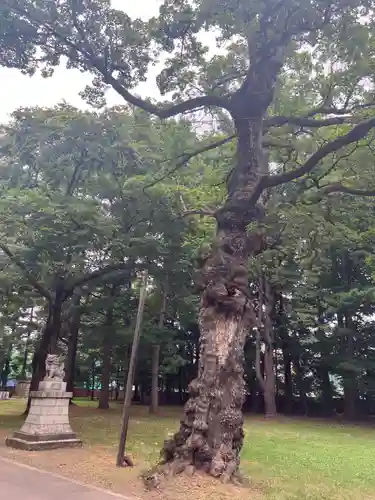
point(156, 362)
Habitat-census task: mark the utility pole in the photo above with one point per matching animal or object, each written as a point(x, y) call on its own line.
point(123, 460)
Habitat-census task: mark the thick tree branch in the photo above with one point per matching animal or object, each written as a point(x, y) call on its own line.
point(189, 105)
point(28, 275)
point(345, 110)
point(354, 135)
point(337, 187)
point(300, 121)
point(341, 115)
point(99, 273)
point(99, 64)
point(76, 174)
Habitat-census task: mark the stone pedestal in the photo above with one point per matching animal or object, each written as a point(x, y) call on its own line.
point(47, 424)
point(22, 389)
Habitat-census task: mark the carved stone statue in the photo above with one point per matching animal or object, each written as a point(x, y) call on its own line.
point(47, 425)
point(54, 369)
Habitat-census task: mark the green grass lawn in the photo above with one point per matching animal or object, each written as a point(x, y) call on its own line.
point(285, 459)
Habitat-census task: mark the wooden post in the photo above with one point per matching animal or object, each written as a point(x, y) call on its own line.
point(122, 460)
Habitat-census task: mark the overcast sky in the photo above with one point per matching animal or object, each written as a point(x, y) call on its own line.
point(18, 90)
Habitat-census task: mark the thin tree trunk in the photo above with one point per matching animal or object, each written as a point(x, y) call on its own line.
point(6, 367)
point(121, 459)
point(107, 355)
point(126, 372)
point(301, 385)
point(70, 367)
point(327, 391)
point(2, 365)
point(117, 391)
point(270, 409)
point(156, 362)
point(288, 380)
point(350, 398)
point(324, 369)
point(106, 372)
point(350, 378)
point(287, 357)
point(26, 352)
point(92, 379)
point(268, 379)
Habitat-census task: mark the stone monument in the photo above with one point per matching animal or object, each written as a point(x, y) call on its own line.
point(22, 389)
point(47, 424)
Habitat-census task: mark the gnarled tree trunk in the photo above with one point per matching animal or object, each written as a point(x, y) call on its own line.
point(211, 433)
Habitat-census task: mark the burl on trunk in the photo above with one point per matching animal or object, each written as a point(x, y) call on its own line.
point(211, 433)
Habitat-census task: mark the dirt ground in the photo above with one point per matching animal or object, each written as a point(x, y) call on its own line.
point(96, 465)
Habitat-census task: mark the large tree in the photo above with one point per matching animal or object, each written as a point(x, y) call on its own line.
point(311, 57)
point(55, 228)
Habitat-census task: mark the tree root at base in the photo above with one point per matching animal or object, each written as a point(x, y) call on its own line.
point(153, 478)
point(127, 461)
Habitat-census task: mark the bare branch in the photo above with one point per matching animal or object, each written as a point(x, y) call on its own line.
point(28, 275)
point(186, 157)
point(354, 135)
point(201, 212)
point(337, 187)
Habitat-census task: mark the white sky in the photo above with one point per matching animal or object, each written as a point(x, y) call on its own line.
point(18, 90)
